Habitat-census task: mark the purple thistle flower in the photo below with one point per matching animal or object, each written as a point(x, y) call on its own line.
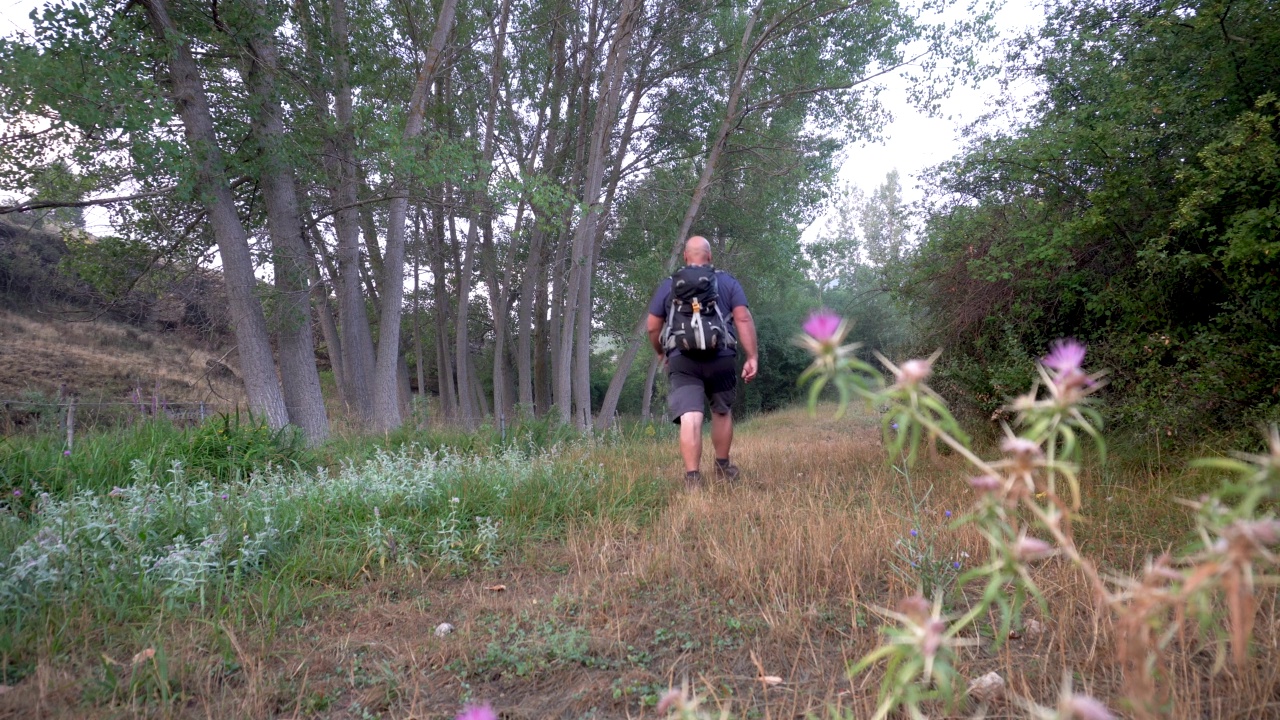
point(225, 496)
point(66, 453)
point(1065, 355)
point(822, 325)
point(477, 712)
point(17, 493)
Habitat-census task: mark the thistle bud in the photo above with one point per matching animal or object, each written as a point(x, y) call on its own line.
point(1029, 549)
point(1087, 708)
point(914, 372)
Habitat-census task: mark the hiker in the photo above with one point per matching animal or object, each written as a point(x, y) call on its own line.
point(697, 319)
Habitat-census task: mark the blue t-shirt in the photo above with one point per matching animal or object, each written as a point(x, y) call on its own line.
point(730, 296)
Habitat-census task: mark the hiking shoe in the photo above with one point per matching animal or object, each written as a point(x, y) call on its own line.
point(727, 471)
point(693, 481)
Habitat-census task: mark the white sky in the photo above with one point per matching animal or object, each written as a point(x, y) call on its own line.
point(913, 141)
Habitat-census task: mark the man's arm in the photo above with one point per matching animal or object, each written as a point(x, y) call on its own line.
point(655, 334)
point(746, 327)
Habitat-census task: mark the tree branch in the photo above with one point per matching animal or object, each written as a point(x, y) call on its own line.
point(44, 204)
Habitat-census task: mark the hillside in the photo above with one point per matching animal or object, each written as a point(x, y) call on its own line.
point(163, 340)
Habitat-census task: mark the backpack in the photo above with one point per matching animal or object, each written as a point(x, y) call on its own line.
point(695, 324)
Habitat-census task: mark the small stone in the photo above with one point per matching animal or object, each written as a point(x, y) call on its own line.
point(443, 629)
point(1032, 628)
point(987, 688)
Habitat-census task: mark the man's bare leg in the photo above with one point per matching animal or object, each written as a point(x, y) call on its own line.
point(691, 440)
point(722, 434)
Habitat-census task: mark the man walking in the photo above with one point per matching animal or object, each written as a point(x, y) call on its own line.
point(700, 358)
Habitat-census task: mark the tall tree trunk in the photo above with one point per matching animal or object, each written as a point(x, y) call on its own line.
point(296, 345)
point(483, 215)
point(386, 399)
point(444, 351)
point(573, 374)
point(353, 318)
point(541, 345)
point(324, 310)
point(467, 406)
point(419, 360)
point(534, 269)
point(609, 404)
point(253, 342)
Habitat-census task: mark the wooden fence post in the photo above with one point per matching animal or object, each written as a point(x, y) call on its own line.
point(71, 423)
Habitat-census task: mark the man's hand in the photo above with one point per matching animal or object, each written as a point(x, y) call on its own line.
point(749, 370)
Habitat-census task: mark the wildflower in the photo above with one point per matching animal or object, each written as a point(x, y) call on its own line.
point(947, 513)
point(915, 371)
point(671, 699)
point(1017, 446)
point(116, 491)
point(454, 501)
point(477, 712)
point(986, 483)
point(1028, 549)
point(1087, 708)
point(956, 564)
point(66, 453)
point(224, 496)
point(913, 532)
point(912, 373)
point(1065, 356)
point(822, 326)
point(17, 493)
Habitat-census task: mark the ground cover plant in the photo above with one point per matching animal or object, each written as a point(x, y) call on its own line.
point(605, 588)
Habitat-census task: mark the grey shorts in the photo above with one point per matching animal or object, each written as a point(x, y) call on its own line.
point(693, 383)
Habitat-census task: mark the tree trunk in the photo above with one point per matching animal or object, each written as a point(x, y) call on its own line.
point(353, 318)
point(573, 375)
point(419, 360)
point(444, 353)
point(646, 399)
point(332, 338)
point(386, 400)
point(262, 386)
point(296, 345)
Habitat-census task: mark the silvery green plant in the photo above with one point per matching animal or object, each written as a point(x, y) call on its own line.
point(1025, 504)
point(447, 545)
point(179, 536)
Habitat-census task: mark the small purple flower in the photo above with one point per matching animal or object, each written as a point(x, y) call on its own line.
point(914, 532)
point(893, 425)
point(1065, 355)
point(948, 513)
point(17, 493)
point(224, 496)
point(477, 712)
point(956, 564)
point(822, 325)
point(66, 453)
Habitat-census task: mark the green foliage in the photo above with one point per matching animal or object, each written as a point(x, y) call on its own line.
point(223, 449)
point(1135, 210)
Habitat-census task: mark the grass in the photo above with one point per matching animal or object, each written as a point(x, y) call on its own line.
point(604, 585)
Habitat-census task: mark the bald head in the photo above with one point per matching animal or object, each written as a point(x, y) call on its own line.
point(697, 251)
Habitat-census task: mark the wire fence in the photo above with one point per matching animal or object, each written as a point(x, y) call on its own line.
point(72, 414)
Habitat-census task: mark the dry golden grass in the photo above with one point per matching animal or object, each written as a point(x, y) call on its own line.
point(777, 576)
point(106, 360)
